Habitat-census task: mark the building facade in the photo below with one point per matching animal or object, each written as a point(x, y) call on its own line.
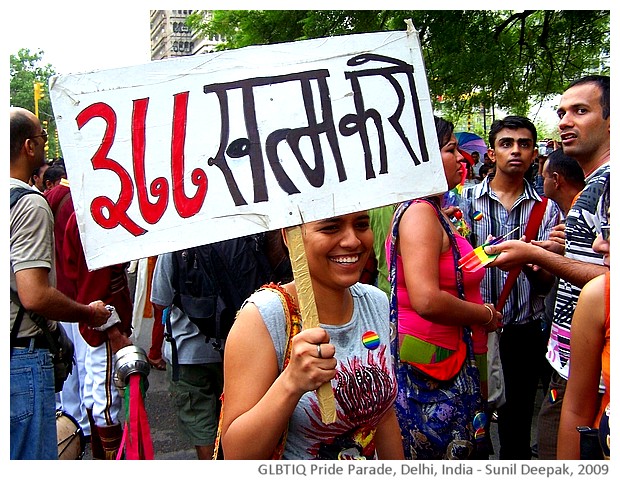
point(171, 37)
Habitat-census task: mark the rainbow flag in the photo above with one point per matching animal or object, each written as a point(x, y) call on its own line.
point(478, 258)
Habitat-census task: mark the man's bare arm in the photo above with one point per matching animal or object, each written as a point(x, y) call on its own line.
point(516, 253)
point(36, 294)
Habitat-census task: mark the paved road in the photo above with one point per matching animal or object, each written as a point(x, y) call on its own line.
point(170, 444)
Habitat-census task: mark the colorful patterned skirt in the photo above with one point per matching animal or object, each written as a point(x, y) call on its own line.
point(441, 420)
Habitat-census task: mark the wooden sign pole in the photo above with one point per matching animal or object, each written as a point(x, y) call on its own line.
point(309, 314)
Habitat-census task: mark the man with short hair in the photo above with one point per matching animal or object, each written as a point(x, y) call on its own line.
point(32, 401)
point(476, 164)
point(584, 113)
point(563, 179)
point(505, 202)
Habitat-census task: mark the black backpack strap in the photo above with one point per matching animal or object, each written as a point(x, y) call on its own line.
point(173, 344)
point(16, 325)
point(175, 278)
point(15, 194)
point(40, 321)
point(19, 192)
point(181, 259)
point(210, 270)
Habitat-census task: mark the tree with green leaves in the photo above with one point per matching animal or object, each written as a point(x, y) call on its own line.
point(476, 60)
point(25, 71)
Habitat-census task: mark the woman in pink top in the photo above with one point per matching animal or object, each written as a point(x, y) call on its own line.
point(437, 305)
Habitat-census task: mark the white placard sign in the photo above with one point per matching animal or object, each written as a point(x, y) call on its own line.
point(187, 151)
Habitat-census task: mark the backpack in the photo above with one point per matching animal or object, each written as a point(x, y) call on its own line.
point(19, 192)
point(60, 344)
point(211, 282)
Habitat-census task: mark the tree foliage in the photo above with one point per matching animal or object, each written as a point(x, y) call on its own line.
point(25, 70)
point(475, 59)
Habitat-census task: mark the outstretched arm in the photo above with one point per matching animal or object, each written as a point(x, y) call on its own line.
point(515, 253)
point(36, 294)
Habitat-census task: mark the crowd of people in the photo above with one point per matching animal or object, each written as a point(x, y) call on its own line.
point(420, 356)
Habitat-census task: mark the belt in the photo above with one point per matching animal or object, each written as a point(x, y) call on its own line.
point(24, 342)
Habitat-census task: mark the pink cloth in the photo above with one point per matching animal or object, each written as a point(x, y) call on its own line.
point(446, 336)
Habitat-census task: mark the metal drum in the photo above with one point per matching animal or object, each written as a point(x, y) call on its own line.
point(71, 441)
point(129, 360)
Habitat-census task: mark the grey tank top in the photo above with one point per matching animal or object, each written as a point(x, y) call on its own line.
point(364, 386)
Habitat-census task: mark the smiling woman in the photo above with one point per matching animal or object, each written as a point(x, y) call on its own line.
point(274, 393)
point(337, 250)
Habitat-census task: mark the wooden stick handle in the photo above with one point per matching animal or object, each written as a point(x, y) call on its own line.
point(309, 314)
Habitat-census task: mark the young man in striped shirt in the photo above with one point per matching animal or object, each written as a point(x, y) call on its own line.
point(506, 201)
point(584, 113)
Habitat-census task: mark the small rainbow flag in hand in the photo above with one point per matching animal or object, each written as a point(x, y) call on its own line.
point(478, 258)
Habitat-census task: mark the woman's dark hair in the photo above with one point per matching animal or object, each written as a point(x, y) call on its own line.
point(54, 173)
point(445, 129)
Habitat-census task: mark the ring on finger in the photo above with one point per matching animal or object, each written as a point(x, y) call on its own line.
point(318, 350)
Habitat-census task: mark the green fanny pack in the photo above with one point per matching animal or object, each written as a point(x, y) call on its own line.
point(438, 362)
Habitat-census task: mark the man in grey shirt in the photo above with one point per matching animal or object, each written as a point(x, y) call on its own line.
point(197, 390)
